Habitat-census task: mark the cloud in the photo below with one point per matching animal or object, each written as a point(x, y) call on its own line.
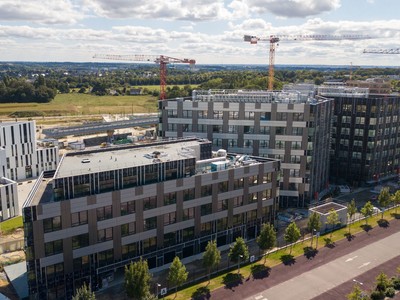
point(43, 12)
point(293, 8)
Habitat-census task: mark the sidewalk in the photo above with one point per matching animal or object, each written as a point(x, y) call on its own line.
point(281, 273)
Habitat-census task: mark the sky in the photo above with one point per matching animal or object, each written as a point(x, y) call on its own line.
point(209, 31)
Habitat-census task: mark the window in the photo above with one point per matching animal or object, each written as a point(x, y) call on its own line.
point(222, 187)
point(218, 114)
point(279, 144)
point(249, 115)
point(169, 198)
point(81, 263)
point(238, 184)
point(170, 218)
point(188, 234)
point(252, 198)
point(127, 208)
point(206, 209)
point(267, 194)
point(104, 234)
point(265, 129)
point(52, 224)
point(233, 115)
point(105, 257)
point(169, 239)
point(188, 194)
point(222, 205)
point(54, 247)
point(150, 203)
point(232, 129)
point(150, 245)
point(150, 223)
point(264, 144)
point(128, 228)
point(206, 190)
point(129, 251)
point(79, 218)
point(238, 201)
point(104, 213)
point(267, 178)
point(206, 228)
point(253, 180)
point(188, 213)
point(80, 241)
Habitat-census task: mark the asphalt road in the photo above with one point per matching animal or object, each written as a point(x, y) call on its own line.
point(367, 259)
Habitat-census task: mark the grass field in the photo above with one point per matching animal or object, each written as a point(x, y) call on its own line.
point(10, 225)
point(85, 104)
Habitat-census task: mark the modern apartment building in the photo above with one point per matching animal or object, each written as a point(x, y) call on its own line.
point(365, 136)
point(20, 159)
point(291, 126)
point(103, 208)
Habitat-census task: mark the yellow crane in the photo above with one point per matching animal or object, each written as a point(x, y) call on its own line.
point(275, 39)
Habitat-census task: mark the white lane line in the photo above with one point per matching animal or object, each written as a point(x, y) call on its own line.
point(351, 258)
point(364, 264)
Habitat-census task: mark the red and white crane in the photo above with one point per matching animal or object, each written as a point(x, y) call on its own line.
point(163, 60)
point(275, 39)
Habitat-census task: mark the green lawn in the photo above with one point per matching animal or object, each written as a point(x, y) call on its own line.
point(8, 226)
point(85, 104)
point(276, 257)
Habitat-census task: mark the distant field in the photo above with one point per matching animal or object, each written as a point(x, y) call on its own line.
point(85, 104)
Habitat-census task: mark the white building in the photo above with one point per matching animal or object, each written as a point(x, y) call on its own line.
point(20, 159)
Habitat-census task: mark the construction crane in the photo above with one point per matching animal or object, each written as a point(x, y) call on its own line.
point(158, 59)
point(382, 51)
point(275, 39)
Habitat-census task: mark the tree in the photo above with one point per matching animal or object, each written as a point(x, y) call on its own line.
point(357, 294)
point(367, 211)
point(84, 293)
point(382, 282)
point(177, 273)
point(267, 238)
point(292, 234)
point(313, 224)
point(137, 279)
point(384, 199)
point(332, 219)
point(211, 257)
point(351, 211)
point(239, 251)
point(395, 199)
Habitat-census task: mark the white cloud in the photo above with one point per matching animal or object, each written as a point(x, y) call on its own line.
point(293, 8)
point(43, 12)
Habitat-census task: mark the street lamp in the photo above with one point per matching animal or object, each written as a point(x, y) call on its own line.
point(240, 257)
point(158, 285)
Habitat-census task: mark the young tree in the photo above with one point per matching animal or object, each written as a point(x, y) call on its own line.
point(211, 257)
point(177, 273)
point(382, 282)
point(332, 219)
point(137, 280)
point(367, 211)
point(357, 294)
point(351, 211)
point(292, 234)
point(313, 224)
point(384, 198)
point(267, 238)
point(239, 251)
point(395, 199)
point(84, 293)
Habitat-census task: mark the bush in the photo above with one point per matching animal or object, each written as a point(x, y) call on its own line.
point(396, 283)
point(390, 292)
point(377, 295)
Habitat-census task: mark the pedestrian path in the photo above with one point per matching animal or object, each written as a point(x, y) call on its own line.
point(317, 281)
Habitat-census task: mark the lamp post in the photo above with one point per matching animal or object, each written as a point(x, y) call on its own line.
point(314, 232)
point(158, 285)
point(240, 257)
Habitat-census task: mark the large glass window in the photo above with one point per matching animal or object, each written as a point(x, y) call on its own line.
point(170, 198)
point(80, 241)
point(79, 218)
point(150, 223)
point(104, 213)
point(54, 247)
point(127, 208)
point(52, 224)
point(104, 234)
point(150, 203)
point(170, 218)
point(128, 228)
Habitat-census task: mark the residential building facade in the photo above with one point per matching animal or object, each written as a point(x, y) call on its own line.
point(103, 208)
point(365, 136)
point(20, 159)
point(291, 126)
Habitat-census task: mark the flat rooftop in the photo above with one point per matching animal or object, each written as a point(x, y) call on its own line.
point(86, 162)
point(325, 208)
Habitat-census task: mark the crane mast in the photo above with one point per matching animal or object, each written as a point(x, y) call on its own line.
point(275, 39)
point(162, 60)
point(382, 51)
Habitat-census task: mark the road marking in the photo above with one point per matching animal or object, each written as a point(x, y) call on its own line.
point(351, 258)
point(364, 264)
point(259, 297)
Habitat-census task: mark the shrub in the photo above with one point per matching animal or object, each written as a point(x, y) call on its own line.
point(396, 282)
point(377, 295)
point(390, 292)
